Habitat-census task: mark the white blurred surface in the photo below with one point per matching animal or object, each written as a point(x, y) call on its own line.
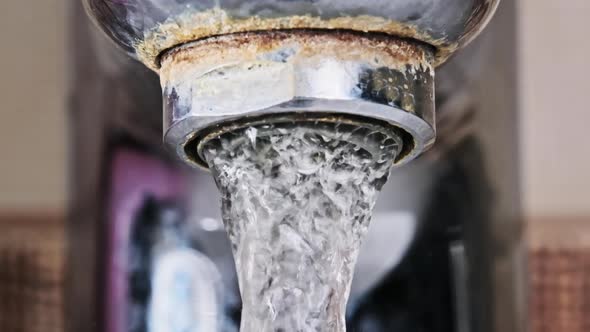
point(555, 107)
point(32, 105)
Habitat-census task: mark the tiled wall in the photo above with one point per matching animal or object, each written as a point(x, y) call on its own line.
point(560, 290)
point(31, 279)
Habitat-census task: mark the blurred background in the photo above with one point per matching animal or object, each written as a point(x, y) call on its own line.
point(36, 165)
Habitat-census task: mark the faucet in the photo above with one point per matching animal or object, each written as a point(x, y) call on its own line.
point(229, 64)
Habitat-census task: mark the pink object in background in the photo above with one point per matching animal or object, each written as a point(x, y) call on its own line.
point(133, 176)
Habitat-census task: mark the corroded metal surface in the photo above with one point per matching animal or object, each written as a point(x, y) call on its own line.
point(194, 26)
point(146, 28)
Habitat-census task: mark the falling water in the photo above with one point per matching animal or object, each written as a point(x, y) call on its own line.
point(297, 201)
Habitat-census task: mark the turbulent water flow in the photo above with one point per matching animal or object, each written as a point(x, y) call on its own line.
point(297, 201)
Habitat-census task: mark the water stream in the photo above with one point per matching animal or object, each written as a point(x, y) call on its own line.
point(296, 204)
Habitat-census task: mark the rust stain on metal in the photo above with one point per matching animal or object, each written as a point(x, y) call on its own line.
point(216, 22)
point(247, 48)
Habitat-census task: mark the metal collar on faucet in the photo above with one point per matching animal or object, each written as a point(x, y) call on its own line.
point(222, 83)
